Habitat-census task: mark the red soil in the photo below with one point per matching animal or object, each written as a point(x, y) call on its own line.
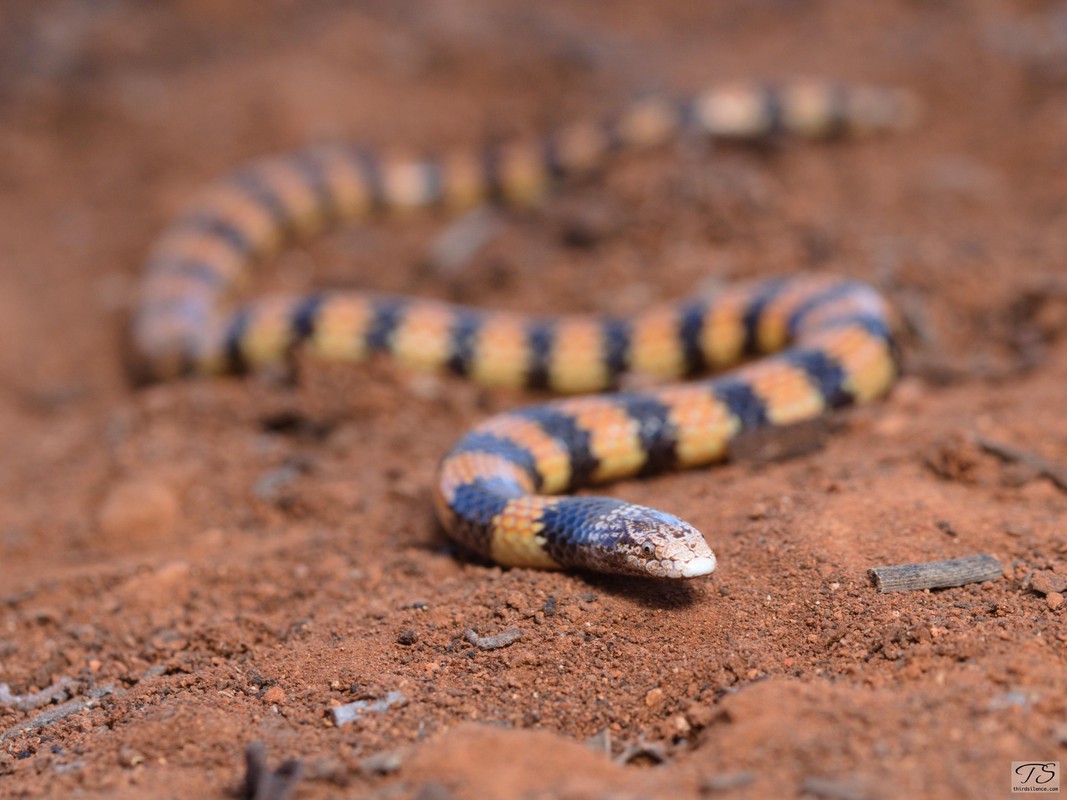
point(217, 562)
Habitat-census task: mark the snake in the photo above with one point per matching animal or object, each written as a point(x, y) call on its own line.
point(778, 350)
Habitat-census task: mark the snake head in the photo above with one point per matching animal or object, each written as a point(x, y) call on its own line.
point(652, 543)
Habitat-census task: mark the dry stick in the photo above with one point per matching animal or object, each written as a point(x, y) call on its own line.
point(28, 702)
point(936, 574)
point(495, 642)
point(1054, 472)
point(56, 713)
point(342, 715)
point(263, 784)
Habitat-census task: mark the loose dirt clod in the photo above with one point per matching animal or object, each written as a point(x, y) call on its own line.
point(139, 510)
point(1045, 581)
point(130, 757)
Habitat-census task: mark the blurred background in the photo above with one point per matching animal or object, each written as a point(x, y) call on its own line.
point(234, 558)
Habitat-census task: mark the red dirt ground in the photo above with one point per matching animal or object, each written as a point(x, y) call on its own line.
point(218, 562)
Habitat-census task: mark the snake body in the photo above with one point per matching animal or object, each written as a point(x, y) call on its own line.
point(502, 489)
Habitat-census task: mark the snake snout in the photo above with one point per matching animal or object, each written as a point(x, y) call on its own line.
point(661, 545)
point(698, 566)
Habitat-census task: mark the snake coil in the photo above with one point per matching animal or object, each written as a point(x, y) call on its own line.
point(502, 489)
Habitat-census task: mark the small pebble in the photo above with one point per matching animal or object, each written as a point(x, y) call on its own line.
point(893, 425)
point(909, 392)
point(758, 511)
point(1054, 600)
point(700, 715)
point(407, 638)
point(1017, 529)
point(166, 585)
point(1045, 581)
point(275, 695)
point(129, 758)
point(655, 698)
point(271, 485)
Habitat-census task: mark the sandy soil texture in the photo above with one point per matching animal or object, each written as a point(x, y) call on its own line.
point(190, 568)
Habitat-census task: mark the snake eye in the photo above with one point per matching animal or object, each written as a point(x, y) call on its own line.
point(648, 550)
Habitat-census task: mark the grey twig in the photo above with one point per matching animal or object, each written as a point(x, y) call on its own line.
point(495, 642)
point(32, 700)
point(342, 715)
point(936, 574)
point(57, 713)
point(460, 241)
point(1007, 452)
point(780, 443)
